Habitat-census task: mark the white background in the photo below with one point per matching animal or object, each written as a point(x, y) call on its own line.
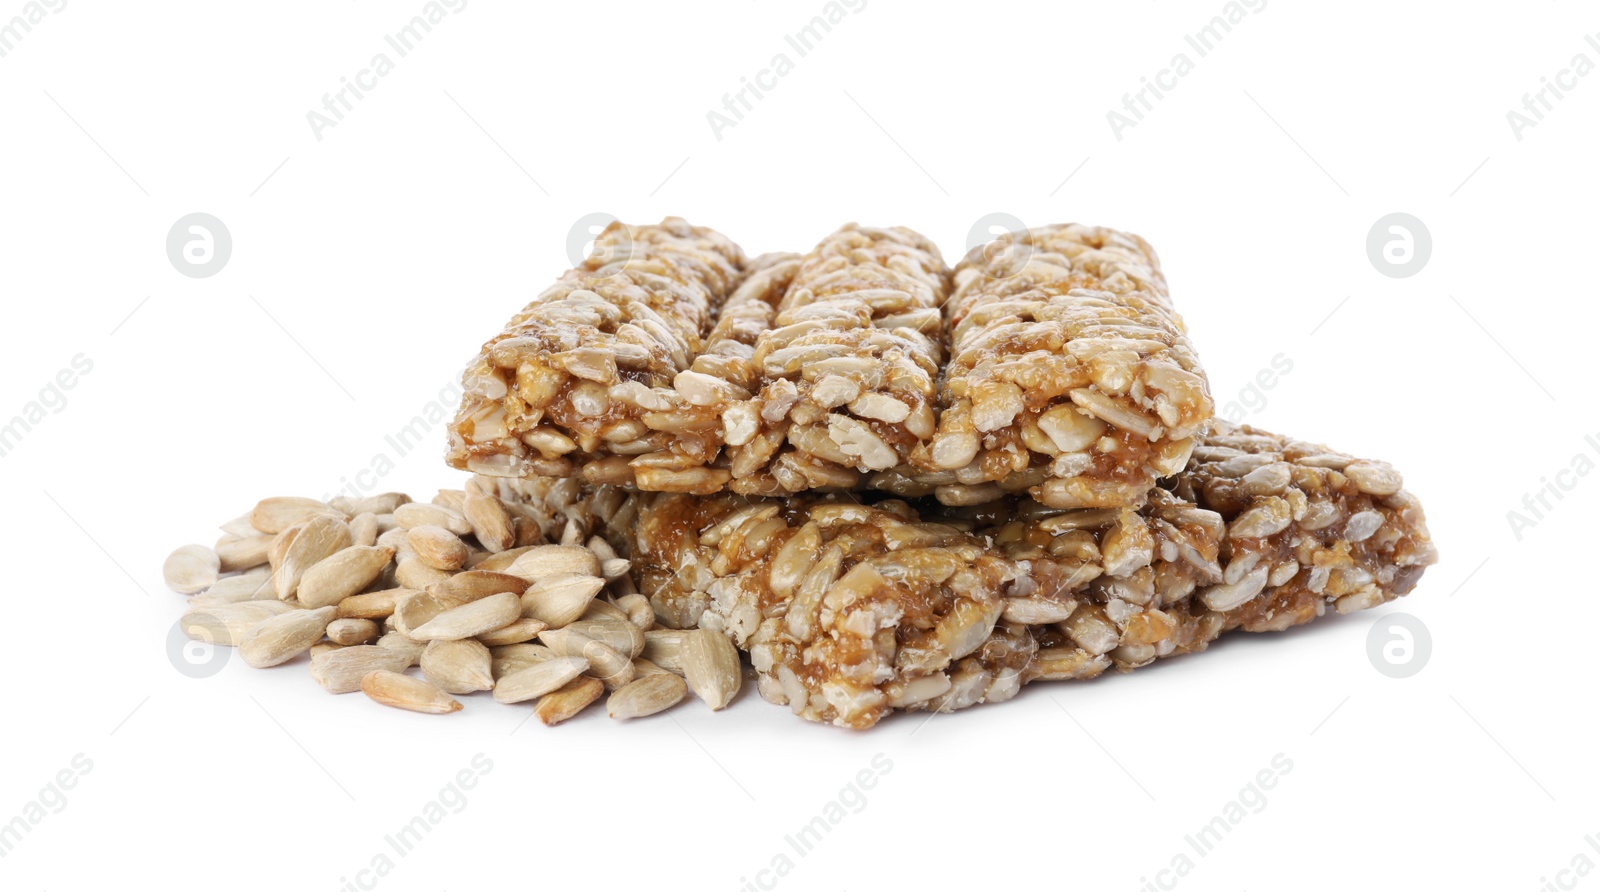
point(368, 265)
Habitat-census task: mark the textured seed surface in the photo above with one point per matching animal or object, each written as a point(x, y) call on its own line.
point(543, 561)
point(539, 679)
point(278, 514)
point(568, 700)
point(711, 667)
point(236, 553)
point(485, 615)
point(342, 574)
point(190, 569)
point(646, 696)
point(404, 692)
point(458, 667)
point(284, 637)
point(438, 547)
point(322, 536)
point(561, 598)
point(516, 633)
point(352, 631)
point(227, 624)
point(340, 671)
point(605, 663)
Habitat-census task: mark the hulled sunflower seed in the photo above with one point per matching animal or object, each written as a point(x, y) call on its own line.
point(568, 700)
point(191, 569)
point(539, 679)
point(364, 529)
point(560, 599)
point(255, 585)
point(646, 696)
point(491, 523)
point(416, 514)
point(458, 667)
point(495, 561)
point(525, 629)
point(485, 615)
point(373, 605)
point(404, 692)
point(275, 515)
point(342, 574)
point(352, 631)
point(438, 547)
point(411, 572)
point(452, 499)
point(398, 642)
point(601, 610)
point(664, 647)
point(639, 611)
point(605, 663)
point(282, 638)
point(380, 504)
point(711, 666)
point(543, 561)
point(619, 635)
point(643, 667)
point(398, 539)
point(242, 553)
point(227, 624)
point(321, 537)
point(240, 528)
point(340, 671)
point(413, 611)
point(510, 658)
point(474, 585)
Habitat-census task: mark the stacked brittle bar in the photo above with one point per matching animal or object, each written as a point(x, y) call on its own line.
point(901, 487)
point(1069, 375)
point(849, 610)
point(583, 372)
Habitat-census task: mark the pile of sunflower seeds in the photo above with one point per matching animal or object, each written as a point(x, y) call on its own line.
point(415, 604)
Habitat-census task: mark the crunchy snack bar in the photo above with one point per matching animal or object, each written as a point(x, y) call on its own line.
point(851, 610)
point(847, 373)
point(721, 377)
point(822, 369)
point(1069, 376)
point(583, 370)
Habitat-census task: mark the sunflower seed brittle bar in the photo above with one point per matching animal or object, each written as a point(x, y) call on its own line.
point(574, 375)
point(1069, 375)
point(823, 370)
point(849, 611)
point(712, 395)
